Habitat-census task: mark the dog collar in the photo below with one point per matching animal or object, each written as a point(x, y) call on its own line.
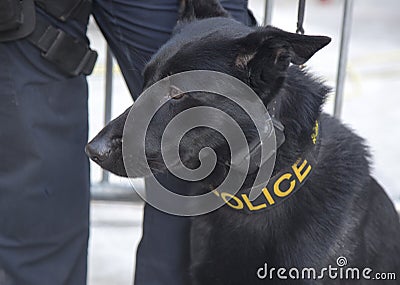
point(282, 185)
point(245, 156)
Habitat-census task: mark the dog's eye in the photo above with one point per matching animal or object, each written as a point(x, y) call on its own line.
point(175, 93)
point(178, 96)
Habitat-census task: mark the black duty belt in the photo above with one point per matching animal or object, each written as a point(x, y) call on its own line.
point(78, 10)
point(71, 55)
point(282, 185)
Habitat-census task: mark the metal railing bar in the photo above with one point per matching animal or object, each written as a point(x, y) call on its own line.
point(268, 12)
point(343, 55)
point(108, 99)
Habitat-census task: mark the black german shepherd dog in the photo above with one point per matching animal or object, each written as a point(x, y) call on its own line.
point(339, 211)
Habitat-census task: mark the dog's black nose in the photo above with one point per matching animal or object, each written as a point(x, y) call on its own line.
point(97, 151)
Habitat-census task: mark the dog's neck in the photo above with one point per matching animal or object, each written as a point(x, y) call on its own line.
point(297, 106)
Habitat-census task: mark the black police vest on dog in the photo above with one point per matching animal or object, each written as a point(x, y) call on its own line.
point(71, 55)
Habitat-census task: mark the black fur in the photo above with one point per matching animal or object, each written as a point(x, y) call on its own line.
point(340, 211)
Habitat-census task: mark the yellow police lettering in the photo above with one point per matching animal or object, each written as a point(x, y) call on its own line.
point(227, 197)
point(251, 206)
point(298, 171)
point(314, 135)
point(215, 192)
point(267, 195)
point(277, 189)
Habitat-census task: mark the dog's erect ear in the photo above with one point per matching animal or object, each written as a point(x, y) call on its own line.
point(267, 53)
point(283, 47)
point(200, 9)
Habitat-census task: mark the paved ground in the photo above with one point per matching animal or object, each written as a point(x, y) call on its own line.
point(115, 233)
point(370, 107)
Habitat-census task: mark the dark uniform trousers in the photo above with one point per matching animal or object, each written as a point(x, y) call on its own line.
point(44, 173)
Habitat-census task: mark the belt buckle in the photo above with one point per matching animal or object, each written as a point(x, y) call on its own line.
point(87, 64)
point(71, 55)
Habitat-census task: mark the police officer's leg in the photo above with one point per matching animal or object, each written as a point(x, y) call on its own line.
point(135, 29)
point(44, 174)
